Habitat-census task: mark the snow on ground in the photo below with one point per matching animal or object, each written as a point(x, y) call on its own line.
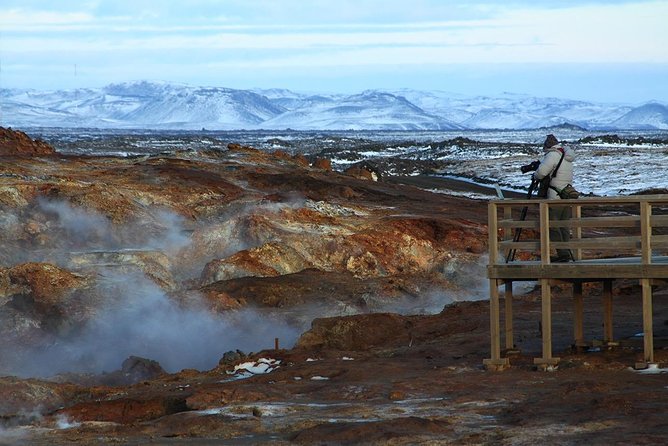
point(602, 168)
point(652, 369)
point(251, 368)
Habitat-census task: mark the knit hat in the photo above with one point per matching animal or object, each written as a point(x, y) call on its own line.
point(550, 141)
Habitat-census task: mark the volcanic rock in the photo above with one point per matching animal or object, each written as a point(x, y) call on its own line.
point(139, 369)
point(15, 142)
point(155, 265)
point(376, 432)
point(43, 282)
point(40, 298)
point(363, 171)
point(323, 163)
point(23, 399)
point(364, 332)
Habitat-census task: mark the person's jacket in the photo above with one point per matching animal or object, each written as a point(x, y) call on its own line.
point(549, 162)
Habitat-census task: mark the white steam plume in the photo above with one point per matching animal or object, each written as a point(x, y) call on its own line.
point(141, 320)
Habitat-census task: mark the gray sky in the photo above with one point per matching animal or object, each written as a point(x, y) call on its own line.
point(610, 51)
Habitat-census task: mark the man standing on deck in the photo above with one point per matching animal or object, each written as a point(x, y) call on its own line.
point(557, 162)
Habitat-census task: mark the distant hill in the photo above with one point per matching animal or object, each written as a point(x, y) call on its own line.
point(648, 116)
point(162, 105)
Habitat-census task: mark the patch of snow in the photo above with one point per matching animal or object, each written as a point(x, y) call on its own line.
point(652, 369)
point(471, 195)
point(261, 366)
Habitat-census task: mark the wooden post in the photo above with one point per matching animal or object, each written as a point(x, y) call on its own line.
point(648, 334)
point(647, 313)
point(646, 232)
point(577, 233)
point(544, 233)
point(578, 317)
point(546, 318)
point(492, 229)
point(510, 343)
point(496, 362)
point(494, 326)
point(607, 312)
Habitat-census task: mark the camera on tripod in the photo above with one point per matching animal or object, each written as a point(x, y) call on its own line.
point(530, 167)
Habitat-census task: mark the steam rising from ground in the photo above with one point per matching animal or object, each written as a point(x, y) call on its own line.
point(80, 226)
point(84, 228)
point(139, 319)
point(136, 316)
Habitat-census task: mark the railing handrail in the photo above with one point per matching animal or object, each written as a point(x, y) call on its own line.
point(638, 234)
point(656, 198)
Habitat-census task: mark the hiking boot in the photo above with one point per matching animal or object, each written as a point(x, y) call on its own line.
point(560, 259)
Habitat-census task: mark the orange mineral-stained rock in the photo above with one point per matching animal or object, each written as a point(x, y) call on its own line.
point(44, 282)
point(270, 259)
point(15, 142)
point(21, 398)
point(323, 163)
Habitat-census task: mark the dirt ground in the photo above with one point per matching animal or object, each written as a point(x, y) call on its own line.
point(423, 384)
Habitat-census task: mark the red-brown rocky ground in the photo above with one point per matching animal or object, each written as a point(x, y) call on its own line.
point(246, 229)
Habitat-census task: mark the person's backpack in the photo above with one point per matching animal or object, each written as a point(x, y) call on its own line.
point(568, 192)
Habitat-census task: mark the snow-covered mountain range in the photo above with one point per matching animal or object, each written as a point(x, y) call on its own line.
point(160, 105)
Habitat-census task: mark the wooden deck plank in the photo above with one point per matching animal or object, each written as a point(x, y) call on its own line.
point(576, 271)
point(629, 221)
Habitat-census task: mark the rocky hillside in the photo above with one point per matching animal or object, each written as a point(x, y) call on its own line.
point(247, 297)
point(14, 142)
point(229, 230)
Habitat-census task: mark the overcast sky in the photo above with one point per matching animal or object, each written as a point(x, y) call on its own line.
point(610, 51)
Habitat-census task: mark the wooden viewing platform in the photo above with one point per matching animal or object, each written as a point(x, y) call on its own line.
point(612, 238)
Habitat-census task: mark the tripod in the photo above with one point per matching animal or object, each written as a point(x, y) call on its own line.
point(518, 231)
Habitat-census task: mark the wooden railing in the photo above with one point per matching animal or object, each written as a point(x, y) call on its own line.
point(600, 228)
point(611, 238)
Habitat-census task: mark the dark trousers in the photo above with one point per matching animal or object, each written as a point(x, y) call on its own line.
point(560, 234)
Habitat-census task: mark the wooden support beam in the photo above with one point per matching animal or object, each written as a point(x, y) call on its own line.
point(607, 312)
point(648, 333)
point(544, 234)
point(495, 362)
point(645, 232)
point(578, 314)
point(546, 318)
point(494, 328)
point(492, 229)
point(577, 233)
point(510, 342)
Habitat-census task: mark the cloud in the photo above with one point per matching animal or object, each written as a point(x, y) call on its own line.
point(588, 33)
point(17, 19)
point(118, 41)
